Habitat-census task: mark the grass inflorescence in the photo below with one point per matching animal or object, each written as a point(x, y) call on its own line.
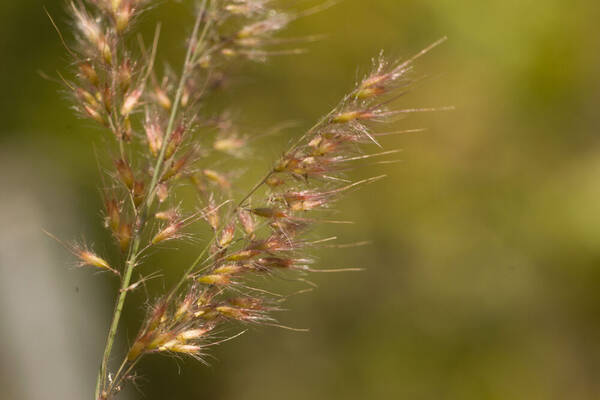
point(158, 128)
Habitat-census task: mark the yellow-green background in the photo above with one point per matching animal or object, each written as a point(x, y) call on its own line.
point(483, 279)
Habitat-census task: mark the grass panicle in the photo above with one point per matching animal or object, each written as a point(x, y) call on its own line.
point(160, 138)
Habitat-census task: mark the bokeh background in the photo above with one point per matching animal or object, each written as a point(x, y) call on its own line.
point(483, 279)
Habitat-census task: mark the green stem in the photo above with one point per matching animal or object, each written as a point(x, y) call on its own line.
point(117, 313)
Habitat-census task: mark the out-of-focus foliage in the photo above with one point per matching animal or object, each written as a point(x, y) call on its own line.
point(482, 279)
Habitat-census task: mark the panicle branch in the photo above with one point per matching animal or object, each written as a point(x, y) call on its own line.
point(272, 237)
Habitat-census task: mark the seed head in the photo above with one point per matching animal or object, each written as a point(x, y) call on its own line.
point(247, 221)
point(367, 92)
point(212, 214)
point(187, 304)
point(113, 215)
point(93, 113)
point(125, 75)
point(176, 140)
point(122, 16)
point(154, 134)
point(139, 192)
point(281, 263)
point(228, 269)
point(176, 166)
point(249, 303)
point(170, 232)
point(214, 279)
point(269, 212)
point(162, 98)
point(168, 215)
point(89, 28)
point(242, 314)
point(87, 98)
point(227, 235)
point(125, 173)
point(192, 334)
point(346, 117)
point(124, 236)
point(88, 73)
point(178, 347)
point(106, 97)
point(89, 258)
point(131, 101)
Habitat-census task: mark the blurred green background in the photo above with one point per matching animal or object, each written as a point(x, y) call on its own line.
point(483, 278)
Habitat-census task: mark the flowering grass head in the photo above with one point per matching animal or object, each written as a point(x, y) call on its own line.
point(162, 139)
